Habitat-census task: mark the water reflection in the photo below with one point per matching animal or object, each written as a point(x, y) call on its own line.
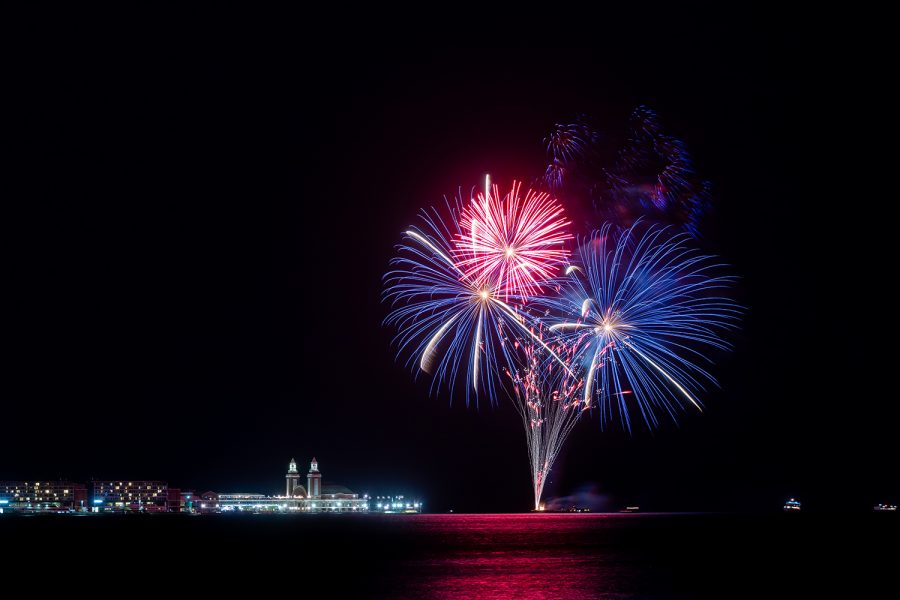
point(524, 556)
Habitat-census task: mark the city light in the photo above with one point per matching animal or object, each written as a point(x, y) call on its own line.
point(157, 497)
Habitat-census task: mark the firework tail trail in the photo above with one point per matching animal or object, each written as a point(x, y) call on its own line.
point(546, 398)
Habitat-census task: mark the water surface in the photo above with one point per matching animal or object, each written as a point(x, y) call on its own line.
point(466, 556)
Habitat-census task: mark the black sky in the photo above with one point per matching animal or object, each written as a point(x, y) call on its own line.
point(198, 237)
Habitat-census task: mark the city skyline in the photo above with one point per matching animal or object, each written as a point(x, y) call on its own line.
point(157, 496)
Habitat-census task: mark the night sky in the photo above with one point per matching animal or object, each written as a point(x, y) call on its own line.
point(196, 239)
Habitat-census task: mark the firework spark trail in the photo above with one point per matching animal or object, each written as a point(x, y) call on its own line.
point(654, 175)
point(567, 141)
point(451, 322)
point(651, 176)
point(569, 146)
point(516, 243)
point(641, 310)
point(543, 397)
point(437, 309)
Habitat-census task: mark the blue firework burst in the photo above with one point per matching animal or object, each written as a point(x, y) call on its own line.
point(640, 311)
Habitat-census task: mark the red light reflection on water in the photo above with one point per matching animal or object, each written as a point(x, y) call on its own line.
point(521, 556)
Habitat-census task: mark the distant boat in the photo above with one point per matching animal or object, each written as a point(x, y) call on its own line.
point(792, 505)
point(631, 509)
point(885, 507)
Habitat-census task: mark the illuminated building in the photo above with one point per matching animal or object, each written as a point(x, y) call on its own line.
point(293, 481)
point(314, 480)
point(42, 496)
point(188, 501)
point(180, 500)
point(251, 502)
point(122, 495)
point(335, 498)
point(113, 496)
point(208, 503)
point(397, 504)
point(329, 498)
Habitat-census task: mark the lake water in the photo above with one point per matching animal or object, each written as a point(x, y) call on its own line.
point(467, 556)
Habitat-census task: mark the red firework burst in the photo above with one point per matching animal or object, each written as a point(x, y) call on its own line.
point(512, 245)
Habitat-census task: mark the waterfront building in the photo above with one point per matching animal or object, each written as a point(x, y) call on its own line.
point(181, 500)
point(316, 498)
point(154, 496)
point(396, 504)
point(293, 481)
point(208, 503)
point(328, 498)
point(251, 502)
point(42, 496)
point(314, 480)
point(135, 495)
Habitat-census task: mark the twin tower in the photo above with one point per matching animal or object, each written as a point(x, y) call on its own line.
point(313, 481)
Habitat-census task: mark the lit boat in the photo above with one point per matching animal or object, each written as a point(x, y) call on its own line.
point(630, 509)
point(792, 505)
point(885, 507)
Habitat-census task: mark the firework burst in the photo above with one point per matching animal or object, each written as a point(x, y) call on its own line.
point(516, 243)
point(570, 141)
point(654, 176)
point(452, 324)
point(641, 310)
point(650, 176)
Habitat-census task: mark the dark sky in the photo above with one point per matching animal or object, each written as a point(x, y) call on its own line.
point(198, 237)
